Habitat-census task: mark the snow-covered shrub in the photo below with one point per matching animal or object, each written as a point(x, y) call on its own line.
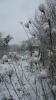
point(9, 72)
point(4, 59)
point(27, 25)
point(53, 31)
point(46, 27)
point(42, 8)
point(54, 88)
point(42, 75)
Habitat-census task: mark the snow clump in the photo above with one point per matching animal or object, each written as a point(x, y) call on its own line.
point(9, 72)
point(42, 8)
point(46, 27)
point(42, 75)
point(4, 59)
point(27, 25)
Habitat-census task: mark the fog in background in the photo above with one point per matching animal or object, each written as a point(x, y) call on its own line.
point(14, 11)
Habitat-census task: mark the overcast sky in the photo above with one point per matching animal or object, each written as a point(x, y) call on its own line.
point(14, 11)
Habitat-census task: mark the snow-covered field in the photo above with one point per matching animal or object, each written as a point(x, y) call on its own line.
point(19, 81)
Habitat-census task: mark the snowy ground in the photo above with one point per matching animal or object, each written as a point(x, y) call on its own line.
point(23, 79)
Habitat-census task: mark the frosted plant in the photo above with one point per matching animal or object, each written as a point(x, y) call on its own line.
point(4, 59)
point(42, 8)
point(46, 27)
point(43, 74)
point(9, 72)
point(33, 33)
point(27, 25)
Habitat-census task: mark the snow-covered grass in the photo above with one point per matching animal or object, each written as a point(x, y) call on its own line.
point(17, 78)
point(18, 81)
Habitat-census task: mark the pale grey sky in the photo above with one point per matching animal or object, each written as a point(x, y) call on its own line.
point(14, 11)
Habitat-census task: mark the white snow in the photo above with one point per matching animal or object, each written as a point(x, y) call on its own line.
point(28, 79)
point(4, 58)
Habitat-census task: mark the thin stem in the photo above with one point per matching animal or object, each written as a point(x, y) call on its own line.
point(6, 87)
point(25, 31)
point(20, 82)
point(14, 89)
